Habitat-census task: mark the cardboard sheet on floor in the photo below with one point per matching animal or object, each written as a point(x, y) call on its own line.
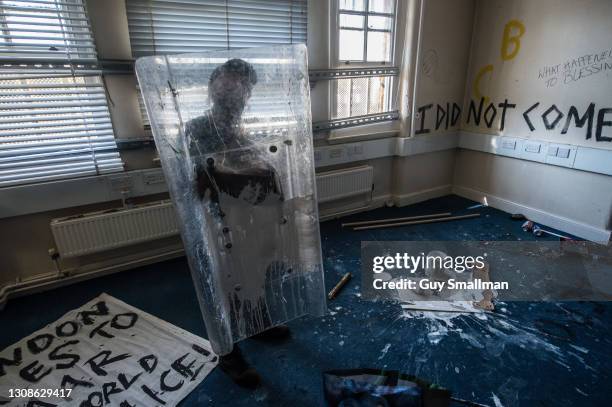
point(483, 302)
point(104, 353)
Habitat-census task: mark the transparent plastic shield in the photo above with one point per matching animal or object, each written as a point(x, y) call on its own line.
point(233, 130)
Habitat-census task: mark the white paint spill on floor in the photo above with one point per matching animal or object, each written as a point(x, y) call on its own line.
point(496, 400)
point(580, 391)
point(493, 332)
point(580, 349)
point(384, 351)
point(261, 394)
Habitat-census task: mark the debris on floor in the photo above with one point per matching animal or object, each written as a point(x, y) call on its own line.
point(373, 387)
point(416, 222)
point(537, 230)
point(486, 303)
point(334, 291)
point(408, 218)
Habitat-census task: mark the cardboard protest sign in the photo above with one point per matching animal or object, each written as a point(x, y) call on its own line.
point(104, 353)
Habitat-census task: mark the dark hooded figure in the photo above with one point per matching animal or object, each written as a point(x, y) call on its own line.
point(212, 138)
point(220, 130)
point(230, 86)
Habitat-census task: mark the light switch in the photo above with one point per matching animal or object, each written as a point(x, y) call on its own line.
point(509, 144)
point(120, 183)
point(335, 153)
point(563, 152)
point(153, 177)
point(533, 148)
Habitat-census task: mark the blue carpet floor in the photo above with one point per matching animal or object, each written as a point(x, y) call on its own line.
point(543, 354)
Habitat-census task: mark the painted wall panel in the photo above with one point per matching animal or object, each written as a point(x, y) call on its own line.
point(442, 62)
point(575, 195)
point(537, 67)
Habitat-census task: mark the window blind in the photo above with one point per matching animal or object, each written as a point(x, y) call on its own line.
point(178, 26)
point(54, 117)
point(54, 128)
point(45, 31)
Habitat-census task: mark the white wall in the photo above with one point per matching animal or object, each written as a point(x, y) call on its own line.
point(442, 63)
point(555, 32)
point(577, 202)
point(557, 52)
point(443, 53)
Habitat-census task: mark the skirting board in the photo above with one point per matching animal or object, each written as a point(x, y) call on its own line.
point(397, 200)
point(537, 215)
point(424, 195)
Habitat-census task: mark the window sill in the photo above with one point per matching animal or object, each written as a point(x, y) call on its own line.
point(26, 199)
point(366, 132)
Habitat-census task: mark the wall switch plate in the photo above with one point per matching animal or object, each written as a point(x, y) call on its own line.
point(356, 150)
point(564, 157)
point(335, 153)
point(120, 183)
point(563, 152)
point(153, 177)
point(533, 147)
point(509, 144)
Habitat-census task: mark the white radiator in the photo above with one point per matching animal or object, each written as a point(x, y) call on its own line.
point(96, 232)
point(344, 183)
point(91, 233)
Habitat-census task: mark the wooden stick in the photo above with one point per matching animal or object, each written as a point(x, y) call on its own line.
point(345, 278)
point(417, 222)
point(370, 222)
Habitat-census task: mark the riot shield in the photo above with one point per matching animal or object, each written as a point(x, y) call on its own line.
point(233, 131)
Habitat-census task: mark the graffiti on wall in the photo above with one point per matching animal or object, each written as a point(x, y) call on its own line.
point(535, 117)
point(481, 111)
point(576, 68)
point(510, 47)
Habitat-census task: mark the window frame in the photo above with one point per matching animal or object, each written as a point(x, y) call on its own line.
point(397, 35)
point(336, 35)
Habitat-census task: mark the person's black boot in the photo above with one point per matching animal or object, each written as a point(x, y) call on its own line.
point(234, 365)
point(276, 333)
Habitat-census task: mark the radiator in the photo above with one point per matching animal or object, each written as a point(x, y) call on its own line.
point(96, 232)
point(344, 183)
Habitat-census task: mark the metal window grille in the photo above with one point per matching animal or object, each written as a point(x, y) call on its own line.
point(365, 36)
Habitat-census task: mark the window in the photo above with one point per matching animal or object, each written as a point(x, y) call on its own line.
point(54, 118)
point(365, 31)
point(171, 27)
point(180, 26)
